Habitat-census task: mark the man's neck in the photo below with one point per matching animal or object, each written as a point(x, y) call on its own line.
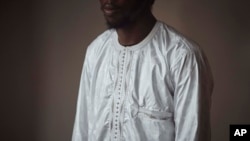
point(136, 32)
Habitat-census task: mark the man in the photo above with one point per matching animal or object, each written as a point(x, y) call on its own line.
point(142, 81)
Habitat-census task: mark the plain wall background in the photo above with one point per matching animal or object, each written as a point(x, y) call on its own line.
point(43, 45)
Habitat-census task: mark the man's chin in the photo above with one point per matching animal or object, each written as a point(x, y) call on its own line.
point(117, 25)
point(112, 25)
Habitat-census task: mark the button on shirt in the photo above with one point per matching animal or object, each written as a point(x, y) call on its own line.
point(157, 90)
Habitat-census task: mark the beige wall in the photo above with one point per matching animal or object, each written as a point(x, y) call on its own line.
point(44, 46)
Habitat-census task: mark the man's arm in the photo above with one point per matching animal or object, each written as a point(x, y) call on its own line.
point(192, 96)
point(80, 131)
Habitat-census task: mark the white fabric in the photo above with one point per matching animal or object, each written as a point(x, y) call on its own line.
point(157, 90)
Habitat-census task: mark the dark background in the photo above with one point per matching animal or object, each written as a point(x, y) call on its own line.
point(43, 45)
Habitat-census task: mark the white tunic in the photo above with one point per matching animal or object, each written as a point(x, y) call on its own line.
point(157, 90)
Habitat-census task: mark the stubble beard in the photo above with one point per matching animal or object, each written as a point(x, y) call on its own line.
point(130, 17)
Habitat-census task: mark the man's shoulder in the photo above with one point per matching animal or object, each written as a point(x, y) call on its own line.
point(104, 35)
point(99, 41)
point(178, 45)
point(175, 35)
point(101, 38)
point(175, 40)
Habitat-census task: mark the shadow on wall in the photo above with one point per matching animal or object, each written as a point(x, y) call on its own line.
point(19, 73)
point(223, 29)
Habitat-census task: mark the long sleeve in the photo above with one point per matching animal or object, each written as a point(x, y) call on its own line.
point(80, 131)
point(192, 96)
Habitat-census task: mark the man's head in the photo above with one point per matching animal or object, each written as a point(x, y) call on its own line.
point(121, 13)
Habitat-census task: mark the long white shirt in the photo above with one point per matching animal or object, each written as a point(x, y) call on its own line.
point(157, 90)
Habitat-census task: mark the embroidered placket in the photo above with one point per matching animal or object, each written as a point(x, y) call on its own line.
point(118, 98)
